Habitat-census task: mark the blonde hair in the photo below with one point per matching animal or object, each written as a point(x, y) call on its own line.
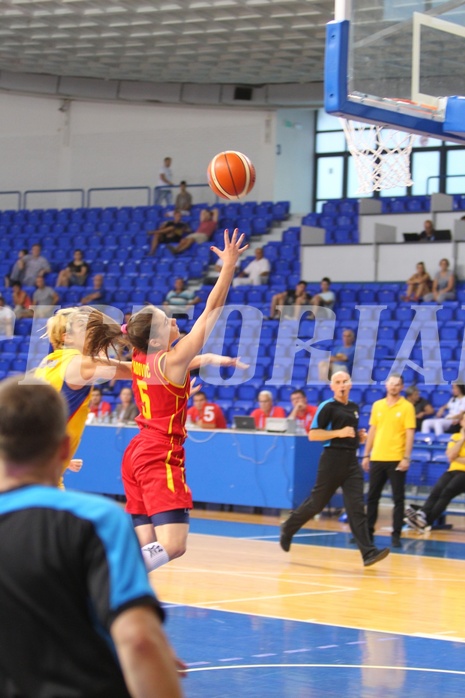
point(61, 322)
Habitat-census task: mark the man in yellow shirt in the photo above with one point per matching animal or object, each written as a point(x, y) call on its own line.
point(387, 453)
point(450, 484)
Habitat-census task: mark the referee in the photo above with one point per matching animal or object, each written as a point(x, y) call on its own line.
point(336, 423)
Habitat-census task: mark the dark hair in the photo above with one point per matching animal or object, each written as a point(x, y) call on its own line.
point(396, 375)
point(103, 332)
point(96, 389)
point(302, 282)
point(299, 391)
point(183, 182)
point(17, 283)
point(200, 393)
point(33, 418)
point(460, 386)
point(327, 279)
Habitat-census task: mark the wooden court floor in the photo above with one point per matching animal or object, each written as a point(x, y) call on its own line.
point(234, 568)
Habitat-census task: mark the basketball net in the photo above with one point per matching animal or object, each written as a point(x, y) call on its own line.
point(381, 155)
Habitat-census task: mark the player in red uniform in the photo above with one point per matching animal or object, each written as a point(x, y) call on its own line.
point(157, 494)
point(207, 415)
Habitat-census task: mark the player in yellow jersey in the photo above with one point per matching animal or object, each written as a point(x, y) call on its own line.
point(72, 373)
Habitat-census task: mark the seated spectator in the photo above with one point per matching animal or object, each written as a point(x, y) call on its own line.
point(99, 410)
point(183, 201)
point(169, 230)
point(7, 319)
point(450, 485)
point(126, 410)
point(96, 294)
point(422, 407)
point(418, 285)
point(255, 272)
point(206, 415)
point(427, 235)
point(76, 272)
point(17, 270)
point(266, 409)
point(449, 415)
point(296, 297)
point(44, 299)
point(301, 411)
point(341, 360)
point(443, 284)
point(180, 295)
point(207, 226)
point(21, 301)
point(326, 298)
point(33, 265)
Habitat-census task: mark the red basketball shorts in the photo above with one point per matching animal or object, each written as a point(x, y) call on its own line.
point(154, 476)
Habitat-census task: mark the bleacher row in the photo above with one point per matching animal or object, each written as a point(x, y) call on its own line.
point(340, 218)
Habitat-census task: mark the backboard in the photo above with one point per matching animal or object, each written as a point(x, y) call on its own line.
point(399, 64)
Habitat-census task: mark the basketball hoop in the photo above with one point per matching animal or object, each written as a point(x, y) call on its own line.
point(381, 155)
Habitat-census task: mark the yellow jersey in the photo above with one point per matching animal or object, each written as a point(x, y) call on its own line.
point(454, 465)
point(53, 370)
point(391, 422)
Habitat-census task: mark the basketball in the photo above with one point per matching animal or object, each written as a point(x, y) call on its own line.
point(231, 175)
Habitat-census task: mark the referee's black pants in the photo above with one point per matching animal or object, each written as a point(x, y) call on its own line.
point(337, 468)
point(380, 472)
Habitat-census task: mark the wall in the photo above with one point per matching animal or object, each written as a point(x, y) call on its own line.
point(49, 143)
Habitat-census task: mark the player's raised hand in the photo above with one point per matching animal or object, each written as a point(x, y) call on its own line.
point(233, 247)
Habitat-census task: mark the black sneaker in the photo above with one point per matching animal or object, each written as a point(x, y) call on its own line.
point(375, 557)
point(395, 541)
point(285, 540)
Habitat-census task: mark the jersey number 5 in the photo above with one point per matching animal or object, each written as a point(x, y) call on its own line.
point(144, 396)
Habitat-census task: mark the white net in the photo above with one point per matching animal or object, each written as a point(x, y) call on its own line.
point(381, 155)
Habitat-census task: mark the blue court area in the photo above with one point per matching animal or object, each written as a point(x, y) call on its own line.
point(233, 654)
point(420, 545)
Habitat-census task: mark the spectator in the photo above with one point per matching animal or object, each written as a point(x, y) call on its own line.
point(266, 409)
point(342, 359)
point(418, 285)
point(449, 415)
point(183, 201)
point(33, 265)
point(76, 273)
point(99, 410)
point(255, 272)
point(126, 410)
point(44, 299)
point(180, 295)
point(169, 230)
point(422, 407)
point(301, 411)
point(165, 177)
point(97, 294)
point(387, 453)
point(207, 226)
point(443, 284)
point(427, 235)
point(206, 415)
point(78, 604)
point(296, 297)
point(21, 301)
point(326, 298)
point(450, 484)
point(7, 319)
point(17, 270)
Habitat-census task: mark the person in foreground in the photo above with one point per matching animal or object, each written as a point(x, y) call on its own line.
point(336, 423)
point(79, 617)
point(154, 473)
point(450, 485)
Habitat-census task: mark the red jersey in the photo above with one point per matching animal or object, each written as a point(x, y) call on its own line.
point(101, 409)
point(305, 421)
point(260, 417)
point(162, 404)
point(211, 415)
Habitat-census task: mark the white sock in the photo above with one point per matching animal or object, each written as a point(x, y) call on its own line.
point(154, 556)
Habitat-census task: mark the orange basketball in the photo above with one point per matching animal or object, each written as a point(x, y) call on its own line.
point(231, 175)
